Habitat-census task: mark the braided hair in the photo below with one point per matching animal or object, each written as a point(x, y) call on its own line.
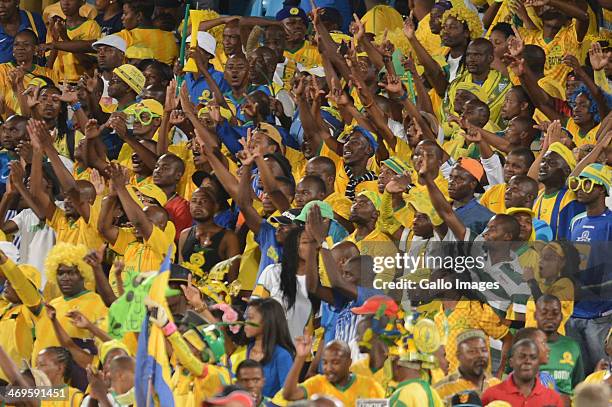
point(64, 357)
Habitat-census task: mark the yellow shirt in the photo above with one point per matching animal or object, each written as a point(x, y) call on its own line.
point(16, 325)
point(10, 98)
point(67, 67)
point(307, 55)
point(494, 198)
point(86, 10)
point(162, 43)
point(88, 303)
point(565, 42)
point(380, 18)
point(455, 383)
point(600, 376)
point(74, 398)
point(139, 256)
point(563, 289)
point(249, 263)
point(430, 41)
point(358, 387)
point(376, 244)
point(383, 376)
point(415, 393)
point(579, 138)
point(79, 231)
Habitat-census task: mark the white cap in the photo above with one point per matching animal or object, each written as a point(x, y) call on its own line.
point(114, 41)
point(205, 41)
point(313, 70)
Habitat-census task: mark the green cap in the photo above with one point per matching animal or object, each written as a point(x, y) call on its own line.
point(326, 211)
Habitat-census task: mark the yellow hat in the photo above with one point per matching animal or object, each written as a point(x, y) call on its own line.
point(132, 76)
point(373, 197)
point(272, 132)
point(107, 346)
point(153, 105)
point(153, 191)
point(139, 52)
point(32, 274)
point(564, 152)
point(499, 403)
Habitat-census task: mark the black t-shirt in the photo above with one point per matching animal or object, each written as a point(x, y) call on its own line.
point(110, 26)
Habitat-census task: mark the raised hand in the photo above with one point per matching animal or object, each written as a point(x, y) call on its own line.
point(24, 150)
point(92, 130)
point(177, 117)
point(69, 95)
point(315, 226)
point(172, 101)
point(31, 94)
point(393, 86)
point(39, 134)
point(303, 346)
point(78, 319)
point(554, 132)
point(17, 173)
point(399, 183)
point(117, 175)
point(409, 28)
point(118, 122)
point(98, 182)
point(193, 295)
point(16, 77)
point(572, 62)
point(247, 155)
point(186, 104)
point(51, 312)
point(598, 58)
point(97, 385)
point(90, 83)
point(158, 314)
point(299, 87)
point(357, 28)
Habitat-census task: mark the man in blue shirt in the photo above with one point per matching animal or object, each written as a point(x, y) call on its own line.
point(199, 90)
point(464, 182)
point(593, 232)
point(12, 21)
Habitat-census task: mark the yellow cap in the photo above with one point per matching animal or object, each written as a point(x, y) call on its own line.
point(132, 76)
point(153, 191)
point(153, 105)
point(564, 152)
point(107, 346)
point(422, 204)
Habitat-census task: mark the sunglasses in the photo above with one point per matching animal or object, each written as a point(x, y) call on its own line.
point(577, 183)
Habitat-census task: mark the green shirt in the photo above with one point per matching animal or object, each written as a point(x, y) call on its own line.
point(565, 364)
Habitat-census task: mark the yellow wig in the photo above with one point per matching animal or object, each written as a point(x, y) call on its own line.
point(69, 255)
point(467, 16)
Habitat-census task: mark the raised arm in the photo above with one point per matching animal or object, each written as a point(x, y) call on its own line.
point(132, 209)
point(592, 157)
point(25, 290)
point(41, 139)
point(107, 229)
point(291, 390)
point(81, 357)
point(433, 71)
point(44, 207)
point(441, 205)
point(118, 122)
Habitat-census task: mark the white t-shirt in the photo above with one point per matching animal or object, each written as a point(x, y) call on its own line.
point(299, 314)
point(36, 239)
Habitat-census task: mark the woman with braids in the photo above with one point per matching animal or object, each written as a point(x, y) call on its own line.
point(558, 264)
point(269, 343)
point(56, 363)
point(286, 283)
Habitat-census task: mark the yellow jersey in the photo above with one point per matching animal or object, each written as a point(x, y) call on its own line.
point(67, 67)
point(79, 231)
point(383, 375)
point(579, 138)
point(380, 18)
point(415, 393)
point(10, 98)
point(358, 387)
point(162, 43)
point(494, 198)
point(88, 303)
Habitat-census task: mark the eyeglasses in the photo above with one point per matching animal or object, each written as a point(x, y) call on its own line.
point(145, 116)
point(577, 183)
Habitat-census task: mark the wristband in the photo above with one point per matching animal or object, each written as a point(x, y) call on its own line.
point(75, 106)
point(324, 245)
point(169, 329)
point(403, 97)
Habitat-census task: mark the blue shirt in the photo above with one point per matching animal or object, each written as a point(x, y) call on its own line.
point(542, 230)
point(296, 131)
point(6, 41)
point(593, 235)
point(344, 7)
point(231, 135)
point(474, 216)
point(199, 91)
point(276, 370)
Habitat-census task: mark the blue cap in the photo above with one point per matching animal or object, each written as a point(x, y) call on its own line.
point(287, 12)
point(369, 136)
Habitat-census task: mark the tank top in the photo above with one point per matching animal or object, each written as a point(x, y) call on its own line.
point(210, 253)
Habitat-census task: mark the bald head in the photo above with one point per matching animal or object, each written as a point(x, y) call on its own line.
point(339, 347)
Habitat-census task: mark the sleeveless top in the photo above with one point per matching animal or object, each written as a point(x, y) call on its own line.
point(210, 253)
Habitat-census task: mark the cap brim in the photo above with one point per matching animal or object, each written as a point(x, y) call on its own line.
point(283, 220)
point(232, 397)
point(361, 311)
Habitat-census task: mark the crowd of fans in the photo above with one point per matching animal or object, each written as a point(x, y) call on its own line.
point(310, 203)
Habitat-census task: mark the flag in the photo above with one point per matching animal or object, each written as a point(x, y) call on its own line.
point(153, 374)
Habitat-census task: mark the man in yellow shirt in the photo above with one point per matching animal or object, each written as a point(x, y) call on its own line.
point(25, 303)
point(325, 168)
point(66, 266)
point(336, 381)
point(139, 30)
point(76, 223)
point(298, 50)
point(473, 355)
